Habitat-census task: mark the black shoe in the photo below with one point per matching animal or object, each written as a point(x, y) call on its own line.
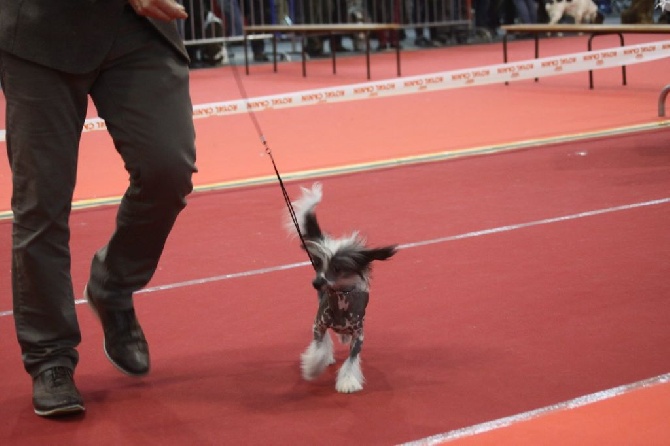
point(423, 42)
point(125, 344)
point(261, 57)
point(341, 49)
point(315, 53)
point(54, 393)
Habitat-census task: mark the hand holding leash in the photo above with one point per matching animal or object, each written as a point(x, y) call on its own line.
point(159, 9)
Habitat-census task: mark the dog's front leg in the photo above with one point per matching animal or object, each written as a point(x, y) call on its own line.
point(555, 15)
point(350, 376)
point(318, 355)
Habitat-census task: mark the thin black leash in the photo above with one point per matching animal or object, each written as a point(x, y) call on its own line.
point(268, 152)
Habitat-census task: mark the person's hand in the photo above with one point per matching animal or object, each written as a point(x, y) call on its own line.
point(159, 9)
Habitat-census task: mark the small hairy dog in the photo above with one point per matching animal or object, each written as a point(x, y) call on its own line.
point(342, 282)
point(583, 11)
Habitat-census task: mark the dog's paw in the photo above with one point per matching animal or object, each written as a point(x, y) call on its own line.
point(315, 359)
point(348, 385)
point(350, 377)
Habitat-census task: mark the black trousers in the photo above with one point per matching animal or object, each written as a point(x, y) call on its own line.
point(141, 90)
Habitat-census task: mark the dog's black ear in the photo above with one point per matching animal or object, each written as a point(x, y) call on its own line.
point(312, 229)
point(380, 253)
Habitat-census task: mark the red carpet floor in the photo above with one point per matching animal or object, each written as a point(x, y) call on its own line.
point(525, 279)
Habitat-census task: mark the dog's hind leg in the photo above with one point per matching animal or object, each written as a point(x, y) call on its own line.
point(350, 376)
point(318, 355)
point(344, 338)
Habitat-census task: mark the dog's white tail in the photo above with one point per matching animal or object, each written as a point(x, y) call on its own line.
point(303, 206)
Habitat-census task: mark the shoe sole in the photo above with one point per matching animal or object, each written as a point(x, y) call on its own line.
point(61, 411)
point(104, 347)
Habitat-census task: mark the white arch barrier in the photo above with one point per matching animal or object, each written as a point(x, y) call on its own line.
point(469, 77)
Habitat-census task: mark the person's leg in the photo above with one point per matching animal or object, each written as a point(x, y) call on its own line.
point(45, 115)
point(338, 14)
point(231, 9)
point(256, 14)
point(142, 92)
point(508, 12)
point(481, 8)
point(493, 21)
point(522, 11)
point(383, 13)
point(532, 11)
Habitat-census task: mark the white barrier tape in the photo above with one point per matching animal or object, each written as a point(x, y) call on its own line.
point(469, 77)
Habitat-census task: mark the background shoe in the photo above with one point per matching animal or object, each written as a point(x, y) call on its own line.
point(341, 48)
point(423, 42)
point(125, 344)
point(54, 393)
point(261, 57)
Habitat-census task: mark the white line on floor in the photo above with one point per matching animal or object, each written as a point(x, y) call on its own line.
point(525, 416)
point(496, 230)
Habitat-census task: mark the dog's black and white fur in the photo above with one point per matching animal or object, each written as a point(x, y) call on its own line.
point(342, 281)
